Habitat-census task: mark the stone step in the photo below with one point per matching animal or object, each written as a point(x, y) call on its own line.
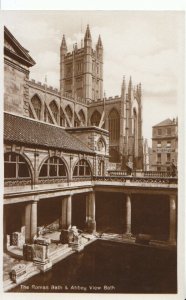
point(59, 252)
point(62, 255)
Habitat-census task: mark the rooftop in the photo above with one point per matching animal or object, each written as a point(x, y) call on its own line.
point(31, 132)
point(14, 49)
point(166, 122)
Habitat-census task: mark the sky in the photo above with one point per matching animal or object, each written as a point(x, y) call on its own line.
point(145, 45)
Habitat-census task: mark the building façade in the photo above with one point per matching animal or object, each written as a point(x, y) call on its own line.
point(55, 142)
point(164, 145)
point(80, 102)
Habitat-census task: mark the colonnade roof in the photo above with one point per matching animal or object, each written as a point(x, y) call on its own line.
point(35, 133)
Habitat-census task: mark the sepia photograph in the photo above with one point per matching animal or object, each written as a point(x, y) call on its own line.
point(91, 120)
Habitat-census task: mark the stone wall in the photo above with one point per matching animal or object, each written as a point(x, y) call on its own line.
point(15, 89)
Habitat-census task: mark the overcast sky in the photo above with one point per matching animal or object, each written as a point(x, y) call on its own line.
point(146, 45)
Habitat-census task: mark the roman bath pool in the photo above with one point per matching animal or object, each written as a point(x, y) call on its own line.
point(109, 267)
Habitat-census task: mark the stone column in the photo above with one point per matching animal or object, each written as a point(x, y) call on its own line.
point(30, 222)
point(90, 212)
point(66, 216)
point(4, 230)
point(23, 226)
point(172, 224)
point(128, 215)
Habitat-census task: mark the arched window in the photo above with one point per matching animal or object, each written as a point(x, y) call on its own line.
point(47, 117)
point(69, 112)
point(53, 167)
point(36, 102)
point(54, 109)
point(114, 125)
point(101, 145)
point(15, 166)
point(82, 117)
point(82, 168)
point(95, 118)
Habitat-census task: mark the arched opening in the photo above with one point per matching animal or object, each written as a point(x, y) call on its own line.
point(54, 109)
point(47, 117)
point(52, 168)
point(114, 125)
point(82, 117)
point(82, 168)
point(69, 112)
point(101, 146)
point(95, 118)
point(15, 167)
point(36, 102)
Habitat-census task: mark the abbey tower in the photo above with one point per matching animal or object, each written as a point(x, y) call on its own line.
point(81, 71)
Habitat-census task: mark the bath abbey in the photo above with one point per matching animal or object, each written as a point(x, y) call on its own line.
point(73, 164)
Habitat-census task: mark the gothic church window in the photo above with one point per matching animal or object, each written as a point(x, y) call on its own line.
point(47, 117)
point(69, 112)
point(79, 67)
point(36, 102)
point(82, 117)
point(54, 109)
point(68, 70)
point(82, 168)
point(15, 166)
point(114, 125)
point(53, 167)
point(95, 118)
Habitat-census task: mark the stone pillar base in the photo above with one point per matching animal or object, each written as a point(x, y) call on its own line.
point(64, 236)
point(91, 226)
point(76, 247)
point(28, 252)
point(128, 235)
point(43, 266)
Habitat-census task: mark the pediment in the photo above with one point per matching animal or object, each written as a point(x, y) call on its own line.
point(15, 50)
point(9, 46)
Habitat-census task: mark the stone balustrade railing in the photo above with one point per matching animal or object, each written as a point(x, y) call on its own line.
point(52, 180)
point(131, 178)
point(81, 178)
point(17, 182)
point(114, 176)
point(135, 173)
